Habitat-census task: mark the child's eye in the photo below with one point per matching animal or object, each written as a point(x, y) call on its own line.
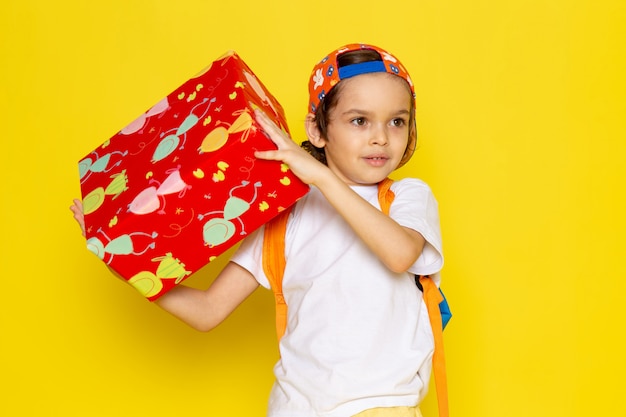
point(398, 122)
point(359, 121)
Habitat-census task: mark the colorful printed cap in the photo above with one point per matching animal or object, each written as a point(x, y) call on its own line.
point(326, 75)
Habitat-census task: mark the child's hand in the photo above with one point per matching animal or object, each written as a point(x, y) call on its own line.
point(77, 209)
point(301, 163)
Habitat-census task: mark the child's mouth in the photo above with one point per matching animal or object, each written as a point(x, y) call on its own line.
point(376, 160)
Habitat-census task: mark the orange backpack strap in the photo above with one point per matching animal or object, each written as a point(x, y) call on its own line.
point(432, 297)
point(274, 265)
point(385, 195)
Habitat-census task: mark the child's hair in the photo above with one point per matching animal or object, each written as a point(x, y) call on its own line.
point(345, 57)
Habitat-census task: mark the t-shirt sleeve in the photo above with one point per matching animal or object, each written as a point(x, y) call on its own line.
point(249, 255)
point(415, 207)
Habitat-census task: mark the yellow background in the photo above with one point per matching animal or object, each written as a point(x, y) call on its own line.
point(521, 108)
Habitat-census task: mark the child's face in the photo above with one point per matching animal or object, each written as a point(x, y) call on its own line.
point(368, 129)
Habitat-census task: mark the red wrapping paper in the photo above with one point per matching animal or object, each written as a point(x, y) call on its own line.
point(180, 184)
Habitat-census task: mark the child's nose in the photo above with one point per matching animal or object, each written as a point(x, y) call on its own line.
point(380, 135)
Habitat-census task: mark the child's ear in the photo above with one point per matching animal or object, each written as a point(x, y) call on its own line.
point(313, 132)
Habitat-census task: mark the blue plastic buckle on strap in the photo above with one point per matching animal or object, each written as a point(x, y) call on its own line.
point(444, 308)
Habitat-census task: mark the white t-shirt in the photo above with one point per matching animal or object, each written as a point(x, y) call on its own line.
point(357, 335)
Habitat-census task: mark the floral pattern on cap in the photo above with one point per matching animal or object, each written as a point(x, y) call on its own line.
point(325, 74)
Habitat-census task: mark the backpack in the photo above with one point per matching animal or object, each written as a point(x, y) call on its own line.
point(438, 310)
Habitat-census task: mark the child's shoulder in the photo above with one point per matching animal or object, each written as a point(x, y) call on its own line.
point(410, 183)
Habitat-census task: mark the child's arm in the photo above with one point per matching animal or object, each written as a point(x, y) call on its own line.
point(205, 309)
point(396, 246)
point(201, 309)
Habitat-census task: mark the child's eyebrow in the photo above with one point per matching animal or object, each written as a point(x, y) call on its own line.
point(361, 112)
point(356, 111)
point(403, 112)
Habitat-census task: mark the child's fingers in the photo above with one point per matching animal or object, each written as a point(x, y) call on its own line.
point(78, 203)
point(275, 133)
point(264, 120)
point(77, 210)
point(302, 164)
point(268, 155)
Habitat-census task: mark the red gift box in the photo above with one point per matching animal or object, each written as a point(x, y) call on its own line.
point(180, 185)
